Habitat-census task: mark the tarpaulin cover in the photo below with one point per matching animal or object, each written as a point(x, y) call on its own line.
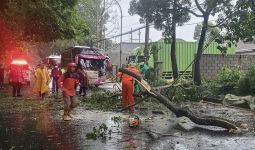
point(231, 99)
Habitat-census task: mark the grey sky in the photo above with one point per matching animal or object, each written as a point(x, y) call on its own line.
point(185, 32)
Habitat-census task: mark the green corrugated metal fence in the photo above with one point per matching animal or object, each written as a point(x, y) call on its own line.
point(185, 53)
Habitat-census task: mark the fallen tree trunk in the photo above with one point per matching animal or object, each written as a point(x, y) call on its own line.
point(201, 120)
point(179, 112)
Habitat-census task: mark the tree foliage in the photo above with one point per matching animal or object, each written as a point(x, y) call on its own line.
point(206, 9)
point(166, 15)
point(246, 84)
point(235, 17)
point(210, 34)
point(144, 8)
point(240, 21)
point(43, 20)
point(160, 12)
point(94, 13)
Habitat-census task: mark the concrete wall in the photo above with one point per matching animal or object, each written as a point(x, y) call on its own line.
point(211, 64)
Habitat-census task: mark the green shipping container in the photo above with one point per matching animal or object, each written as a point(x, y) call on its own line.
point(185, 54)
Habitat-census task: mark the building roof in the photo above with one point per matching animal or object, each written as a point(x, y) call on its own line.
point(245, 48)
point(127, 48)
point(241, 46)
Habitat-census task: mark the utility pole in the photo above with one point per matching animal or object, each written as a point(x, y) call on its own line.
point(103, 27)
point(147, 36)
point(97, 28)
point(104, 38)
point(97, 34)
point(121, 26)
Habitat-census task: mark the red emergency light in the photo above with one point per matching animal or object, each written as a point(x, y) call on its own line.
point(19, 62)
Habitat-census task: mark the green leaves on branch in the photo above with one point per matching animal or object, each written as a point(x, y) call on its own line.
point(103, 100)
point(43, 20)
point(102, 132)
point(246, 84)
point(229, 76)
point(240, 21)
point(162, 13)
point(210, 34)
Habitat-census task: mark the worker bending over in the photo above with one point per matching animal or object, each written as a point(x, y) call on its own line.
point(128, 87)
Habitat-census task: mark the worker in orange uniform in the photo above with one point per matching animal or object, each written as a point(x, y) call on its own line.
point(128, 87)
point(68, 82)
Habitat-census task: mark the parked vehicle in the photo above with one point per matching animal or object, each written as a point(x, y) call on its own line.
point(94, 61)
point(136, 59)
point(53, 60)
point(26, 69)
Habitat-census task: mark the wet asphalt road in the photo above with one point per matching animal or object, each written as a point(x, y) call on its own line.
point(27, 124)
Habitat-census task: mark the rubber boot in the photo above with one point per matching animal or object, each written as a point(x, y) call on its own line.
point(69, 113)
point(66, 117)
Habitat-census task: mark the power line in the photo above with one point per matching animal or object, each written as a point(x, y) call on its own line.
point(128, 26)
point(125, 33)
point(137, 29)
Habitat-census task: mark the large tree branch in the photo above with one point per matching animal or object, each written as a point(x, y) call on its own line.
point(225, 19)
point(179, 111)
point(199, 7)
point(220, 23)
point(190, 11)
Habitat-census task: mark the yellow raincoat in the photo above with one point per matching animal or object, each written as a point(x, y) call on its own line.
point(42, 81)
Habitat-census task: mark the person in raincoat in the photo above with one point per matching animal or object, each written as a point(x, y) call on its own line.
point(42, 81)
point(128, 87)
point(143, 69)
point(68, 82)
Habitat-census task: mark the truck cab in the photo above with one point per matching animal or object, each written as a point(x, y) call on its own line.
point(92, 59)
